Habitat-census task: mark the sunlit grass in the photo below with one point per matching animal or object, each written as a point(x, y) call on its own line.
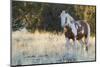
point(46, 44)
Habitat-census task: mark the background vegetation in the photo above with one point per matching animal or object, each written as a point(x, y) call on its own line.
point(45, 16)
point(47, 47)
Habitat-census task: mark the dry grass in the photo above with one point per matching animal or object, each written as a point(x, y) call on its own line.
point(39, 48)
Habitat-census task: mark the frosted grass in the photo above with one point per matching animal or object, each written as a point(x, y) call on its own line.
point(42, 48)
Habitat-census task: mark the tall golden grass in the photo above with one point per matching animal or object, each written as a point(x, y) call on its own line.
point(37, 44)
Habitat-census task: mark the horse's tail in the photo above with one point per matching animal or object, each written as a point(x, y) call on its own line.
point(88, 33)
point(88, 36)
point(88, 28)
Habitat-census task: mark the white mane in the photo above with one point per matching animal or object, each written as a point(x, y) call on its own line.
point(70, 19)
point(65, 16)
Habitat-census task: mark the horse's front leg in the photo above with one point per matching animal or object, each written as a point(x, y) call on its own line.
point(75, 43)
point(67, 43)
point(75, 46)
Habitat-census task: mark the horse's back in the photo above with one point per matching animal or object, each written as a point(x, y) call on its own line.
point(84, 26)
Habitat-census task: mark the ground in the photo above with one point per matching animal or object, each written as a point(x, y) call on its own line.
point(41, 48)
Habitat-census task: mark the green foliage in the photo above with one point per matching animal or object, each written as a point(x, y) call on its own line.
point(45, 16)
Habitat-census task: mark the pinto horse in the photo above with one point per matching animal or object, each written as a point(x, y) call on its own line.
point(75, 30)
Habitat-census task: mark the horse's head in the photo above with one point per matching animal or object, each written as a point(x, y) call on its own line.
point(66, 19)
point(63, 18)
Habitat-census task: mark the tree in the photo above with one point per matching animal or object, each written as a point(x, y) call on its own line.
point(45, 16)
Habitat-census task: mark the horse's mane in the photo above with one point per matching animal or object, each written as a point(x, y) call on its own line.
point(82, 20)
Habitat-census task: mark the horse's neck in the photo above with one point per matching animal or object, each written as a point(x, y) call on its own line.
point(70, 17)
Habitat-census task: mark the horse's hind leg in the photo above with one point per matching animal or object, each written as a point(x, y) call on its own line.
point(81, 43)
point(87, 43)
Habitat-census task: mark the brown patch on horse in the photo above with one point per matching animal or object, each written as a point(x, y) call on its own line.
point(85, 27)
point(81, 31)
point(69, 33)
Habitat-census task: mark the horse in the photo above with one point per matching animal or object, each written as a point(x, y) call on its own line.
point(75, 30)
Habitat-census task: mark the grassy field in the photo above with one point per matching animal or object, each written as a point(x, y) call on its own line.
point(42, 48)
